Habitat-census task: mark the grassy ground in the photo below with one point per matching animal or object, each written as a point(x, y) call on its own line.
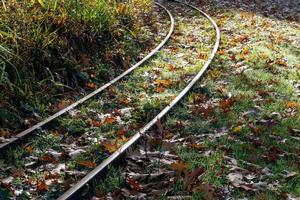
point(237, 133)
point(52, 52)
point(64, 151)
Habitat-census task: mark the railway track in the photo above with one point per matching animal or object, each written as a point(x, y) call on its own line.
point(31, 130)
point(72, 193)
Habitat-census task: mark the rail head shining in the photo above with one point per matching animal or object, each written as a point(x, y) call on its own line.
point(69, 194)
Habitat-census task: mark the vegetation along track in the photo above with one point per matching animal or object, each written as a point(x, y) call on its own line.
point(98, 133)
point(89, 96)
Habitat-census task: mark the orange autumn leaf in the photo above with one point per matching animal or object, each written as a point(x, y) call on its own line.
point(88, 164)
point(281, 62)
point(171, 67)
point(292, 104)
point(95, 123)
point(180, 166)
point(110, 120)
point(29, 149)
point(121, 131)
point(121, 9)
point(91, 85)
point(42, 186)
point(202, 56)
point(221, 52)
point(196, 146)
point(163, 83)
point(160, 89)
point(111, 148)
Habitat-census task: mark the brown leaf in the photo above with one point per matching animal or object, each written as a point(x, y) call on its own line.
point(62, 104)
point(160, 89)
point(196, 146)
point(193, 177)
point(48, 158)
point(29, 149)
point(202, 56)
point(171, 67)
point(121, 132)
point(292, 104)
point(4, 133)
point(180, 166)
point(111, 148)
point(88, 164)
point(110, 120)
point(226, 104)
point(95, 123)
point(208, 190)
point(164, 83)
point(133, 184)
point(91, 85)
point(42, 186)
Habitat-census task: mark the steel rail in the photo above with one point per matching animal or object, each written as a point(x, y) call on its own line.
point(100, 169)
point(92, 94)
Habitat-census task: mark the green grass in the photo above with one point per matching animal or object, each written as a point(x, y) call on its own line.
point(49, 48)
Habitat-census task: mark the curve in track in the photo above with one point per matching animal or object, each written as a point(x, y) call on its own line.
point(71, 193)
point(89, 96)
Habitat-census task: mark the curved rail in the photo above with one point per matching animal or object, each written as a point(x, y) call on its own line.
point(82, 100)
point(70, 194)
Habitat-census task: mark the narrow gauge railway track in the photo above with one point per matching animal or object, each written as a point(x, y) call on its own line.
point(107, 158)
point(72, 193)
point(27, 132)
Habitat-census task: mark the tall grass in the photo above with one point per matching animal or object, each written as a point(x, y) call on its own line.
point(42, 41)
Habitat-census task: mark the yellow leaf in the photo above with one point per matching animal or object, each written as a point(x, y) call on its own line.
point(292, 104)
point(164, 83)
point(237, 129)
point(111, 148)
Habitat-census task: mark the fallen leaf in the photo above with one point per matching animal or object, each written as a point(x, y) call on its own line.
point(91, 85)
point(4, 133)
point(111, 148)
point(196, 146)
point(121, 8)
point(170, 67)
point(292, 104)
point(29, 149)
point(163, 83)
point(160, 89)
point(121, 132)
point(208, 190)
point(221, 52)
point(179, 166)
point(133, 184)
point(226, 104)
point(88, 164)
point(237, 129)
point(95, 123)
point(110, 120)
point(193, 177)
point(42, 186)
